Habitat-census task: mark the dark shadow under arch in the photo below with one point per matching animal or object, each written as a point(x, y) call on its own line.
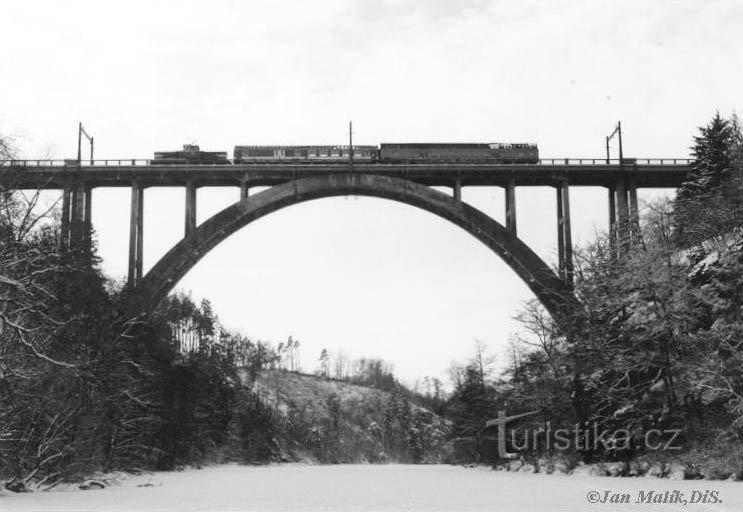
point(553, 293)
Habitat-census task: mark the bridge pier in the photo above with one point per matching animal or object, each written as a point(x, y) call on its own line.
point(88, 217)
point(76, 216)
point(190, 208)
point(560, 235)
point(634, 213)
point(76, 224)
point(511, 207)
point(564, 234)
point(624, 216)
point(612, 222)
point(65, 221)
point(244, 188)
point(136, 234)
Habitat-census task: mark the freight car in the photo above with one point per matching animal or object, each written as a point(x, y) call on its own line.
point(191, 154)
point(247, 154)
point(458, 152)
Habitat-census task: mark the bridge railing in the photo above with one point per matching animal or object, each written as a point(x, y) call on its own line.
point(615, 161)
point(665, 161)
point(129, 162)
point(54, 162)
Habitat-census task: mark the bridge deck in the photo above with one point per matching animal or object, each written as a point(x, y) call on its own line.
point(121, 173)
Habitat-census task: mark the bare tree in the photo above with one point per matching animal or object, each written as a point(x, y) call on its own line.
point(340, 364)
point(483, 361)
point(540, 331)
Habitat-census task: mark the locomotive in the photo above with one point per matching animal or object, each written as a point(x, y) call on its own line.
point(412, 153)
point(191, 154)
point(457, 152)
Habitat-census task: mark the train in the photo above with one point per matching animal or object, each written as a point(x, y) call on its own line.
point(406, 153)
point(247, 154)
point(191, 154)
point(499, 152)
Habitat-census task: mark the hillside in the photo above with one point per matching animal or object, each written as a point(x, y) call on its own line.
point(332, 421)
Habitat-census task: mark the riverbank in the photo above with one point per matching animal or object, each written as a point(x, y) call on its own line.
point(298, 487)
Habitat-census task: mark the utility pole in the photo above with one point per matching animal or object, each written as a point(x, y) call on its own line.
point(623, 217)
point(607, 150)
point(618, 132)
point(80, 132)
point(350, 145)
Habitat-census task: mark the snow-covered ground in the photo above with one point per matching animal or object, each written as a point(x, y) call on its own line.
point(294, 487)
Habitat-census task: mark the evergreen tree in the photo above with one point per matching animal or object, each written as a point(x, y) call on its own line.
point(472, 404)
point(708, 203)
point(712, 152)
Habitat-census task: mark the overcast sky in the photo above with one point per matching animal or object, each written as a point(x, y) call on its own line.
point(374, 277)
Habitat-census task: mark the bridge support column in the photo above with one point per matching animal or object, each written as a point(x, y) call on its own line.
point(612, 222)
point(622, 216)
point(65, 228)
point(565, 233)
point(634, 212)
point(560, 235)
point(136, 234)
point(79, 208)
point(511, 207)
point(458, 190)
point(190, 208)
point(75, 207)
point(244, 189)
point(88, 217)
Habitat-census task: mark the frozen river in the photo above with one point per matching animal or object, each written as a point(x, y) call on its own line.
point(393, 487)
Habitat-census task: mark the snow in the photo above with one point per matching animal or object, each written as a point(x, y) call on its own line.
point(294, 487)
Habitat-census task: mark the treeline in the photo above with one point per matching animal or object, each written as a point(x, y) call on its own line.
point(194, 328)
point(658, 343)
point(365, 371)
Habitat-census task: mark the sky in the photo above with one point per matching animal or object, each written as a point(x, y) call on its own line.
point(368, 276)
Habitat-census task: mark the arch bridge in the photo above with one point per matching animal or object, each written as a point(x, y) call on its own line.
point(291, 183)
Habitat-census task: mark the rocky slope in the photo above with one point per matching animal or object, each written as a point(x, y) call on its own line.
point(332, 421)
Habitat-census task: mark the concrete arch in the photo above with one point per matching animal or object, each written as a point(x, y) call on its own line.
point(162, 278)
